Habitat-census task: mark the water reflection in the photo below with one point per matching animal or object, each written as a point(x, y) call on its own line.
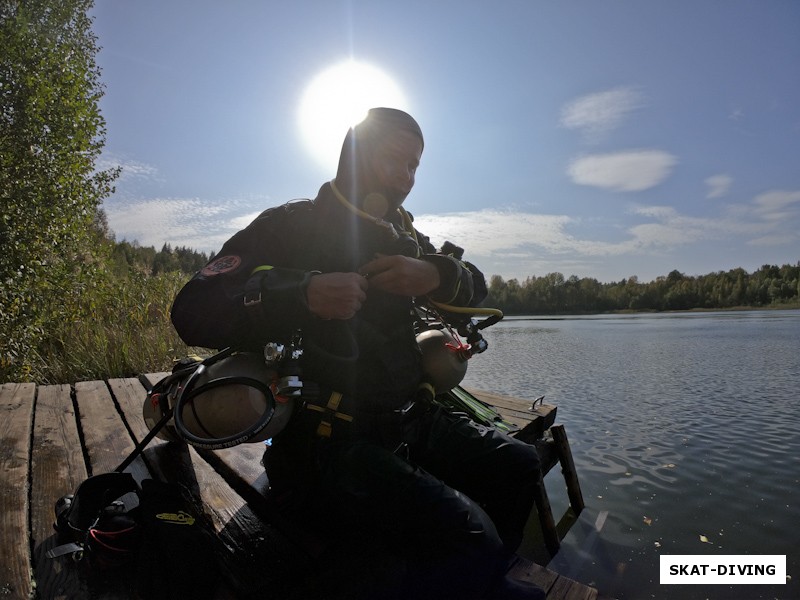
point(684, 430)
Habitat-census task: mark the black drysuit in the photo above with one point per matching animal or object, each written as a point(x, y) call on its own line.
point(451, 495)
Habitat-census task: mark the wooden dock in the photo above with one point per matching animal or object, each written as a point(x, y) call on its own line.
point(55, 436)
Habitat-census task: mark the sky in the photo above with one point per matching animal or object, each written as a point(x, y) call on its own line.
point(598, 139)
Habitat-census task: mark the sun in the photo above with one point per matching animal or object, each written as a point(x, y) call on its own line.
point(337, 99)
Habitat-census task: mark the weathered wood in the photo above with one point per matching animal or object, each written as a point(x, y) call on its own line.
point(16, 415)
point(107, 440)
point(526, 570)
point(568, 468)
point(532, 417)
point(569, 589)
point(546, 520)
point(548, 453)
point(556, 586)
point(522, 406)
point(57, 467)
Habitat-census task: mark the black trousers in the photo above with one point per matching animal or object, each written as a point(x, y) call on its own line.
point(453, 499)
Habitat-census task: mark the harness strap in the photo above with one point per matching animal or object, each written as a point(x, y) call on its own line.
point(329, 412)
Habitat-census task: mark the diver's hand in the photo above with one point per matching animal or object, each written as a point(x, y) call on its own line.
point(401, 275)
point(336, 295)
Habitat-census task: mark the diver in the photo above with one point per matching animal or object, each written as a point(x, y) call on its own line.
point(367, 449)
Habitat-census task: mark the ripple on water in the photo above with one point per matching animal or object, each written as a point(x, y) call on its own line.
point(680, 427)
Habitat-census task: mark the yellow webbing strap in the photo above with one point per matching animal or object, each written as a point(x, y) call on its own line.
point(261, 268)
point(331, 410)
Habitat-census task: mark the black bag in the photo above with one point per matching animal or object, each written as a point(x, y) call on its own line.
point(154, 532)
point(175, 554)
point(99, 522)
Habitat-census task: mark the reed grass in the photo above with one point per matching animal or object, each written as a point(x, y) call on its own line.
point(123, 329)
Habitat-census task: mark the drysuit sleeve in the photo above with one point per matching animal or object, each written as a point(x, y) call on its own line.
point(241, 298)
point(462, 284)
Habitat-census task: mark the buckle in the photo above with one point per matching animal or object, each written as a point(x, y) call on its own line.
point(70, 548)
point(404, 410)
point(252, 298)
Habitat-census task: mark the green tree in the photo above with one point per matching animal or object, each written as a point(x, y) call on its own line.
point(51, 134)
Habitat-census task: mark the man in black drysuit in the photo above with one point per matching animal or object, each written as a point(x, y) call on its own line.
point(343, 269)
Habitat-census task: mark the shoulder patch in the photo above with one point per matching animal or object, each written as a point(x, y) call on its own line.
point(223, 264)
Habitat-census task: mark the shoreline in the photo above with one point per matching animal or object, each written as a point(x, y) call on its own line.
point(631, 311)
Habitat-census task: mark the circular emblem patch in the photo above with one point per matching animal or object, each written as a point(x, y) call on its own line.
point(223, 264)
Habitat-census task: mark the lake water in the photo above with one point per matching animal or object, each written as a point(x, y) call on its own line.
point(685, 433)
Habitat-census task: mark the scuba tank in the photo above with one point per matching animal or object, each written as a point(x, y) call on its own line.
point(227, 399)
point(444, 354)
point(444, 359)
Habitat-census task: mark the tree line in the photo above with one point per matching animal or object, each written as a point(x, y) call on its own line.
point(768, 286)
point(127, 257)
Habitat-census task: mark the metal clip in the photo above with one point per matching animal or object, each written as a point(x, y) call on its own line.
point(249, 300)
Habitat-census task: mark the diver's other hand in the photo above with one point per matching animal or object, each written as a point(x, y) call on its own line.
point(336, 295)
point(402, 275)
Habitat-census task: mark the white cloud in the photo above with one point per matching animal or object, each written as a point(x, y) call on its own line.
point(630, 171)
point(597, 114)
point(510, 243)
point(177, 221)
point(775, 240)
point(519, 244)
point(718, 185)
point(658, 212)
point(130, 168)
point(491, 232)
point(776, 204)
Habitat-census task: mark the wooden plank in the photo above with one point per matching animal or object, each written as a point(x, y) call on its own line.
point(533, 417)
point(57, 467)
point(502, 401)
point(567, 589)
point(556, 586)
point(568, 468)
point(255, 557)
point(106, 438)
point(107, 443)
point(16, 407)
point(526, 570)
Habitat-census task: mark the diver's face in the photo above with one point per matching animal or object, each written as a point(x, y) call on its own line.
point(394, 163)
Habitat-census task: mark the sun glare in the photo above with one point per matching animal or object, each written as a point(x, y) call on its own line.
point(337, 99)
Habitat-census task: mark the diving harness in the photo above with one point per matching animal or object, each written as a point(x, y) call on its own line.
point(237, 396)
point(234, 397)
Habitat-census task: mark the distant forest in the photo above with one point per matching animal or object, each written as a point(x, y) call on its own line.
point(769, 286)
point(127, 257)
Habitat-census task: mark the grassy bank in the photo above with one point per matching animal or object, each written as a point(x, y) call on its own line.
point(124, 332)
